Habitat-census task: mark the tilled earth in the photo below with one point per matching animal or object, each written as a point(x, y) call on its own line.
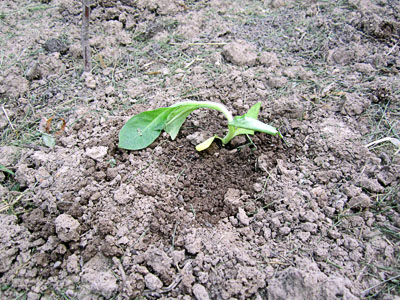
point(315, 215)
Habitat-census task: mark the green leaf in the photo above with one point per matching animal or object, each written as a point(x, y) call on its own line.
point(176, 118)
point(207, 143)
point(143, 129)
point(253, 124)
point(6, 170)
point(48, 140)
point(252, 113)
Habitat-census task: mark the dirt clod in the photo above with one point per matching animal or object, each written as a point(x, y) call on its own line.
point(240, 53)
point(67, 228)
point(153, 282)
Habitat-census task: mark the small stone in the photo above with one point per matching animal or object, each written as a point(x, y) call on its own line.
point(242, 217)
point(153, 282)
point(33, 72)
point(123, 241)
point(352, 191)
point(200, 292)
point(321, 252)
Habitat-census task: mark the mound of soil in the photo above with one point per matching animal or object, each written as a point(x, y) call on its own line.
point(315, 215)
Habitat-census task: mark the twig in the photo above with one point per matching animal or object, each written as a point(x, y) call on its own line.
point(192, 62)
point(8, 119)
point(87, 63)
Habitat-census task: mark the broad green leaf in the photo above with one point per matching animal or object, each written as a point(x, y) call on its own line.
point(176, 118)
point(48, 140)
point(143, 129)
point(253, 124)
point(207, 143)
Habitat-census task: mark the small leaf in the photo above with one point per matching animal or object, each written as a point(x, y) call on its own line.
point(254, 111)
point(207, 143)
point(48, 140)
point(253, 124)
point(6, 170)
point(143, 129)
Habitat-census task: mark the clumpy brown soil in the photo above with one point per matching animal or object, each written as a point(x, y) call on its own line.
point(315, 215)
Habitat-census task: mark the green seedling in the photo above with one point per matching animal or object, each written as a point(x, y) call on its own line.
point(143, 129)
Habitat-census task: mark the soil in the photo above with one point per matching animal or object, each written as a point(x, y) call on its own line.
point(315, 215)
